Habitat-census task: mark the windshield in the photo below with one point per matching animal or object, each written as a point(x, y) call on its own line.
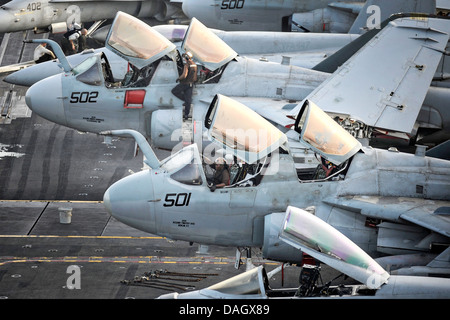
point(85, 65)
point(88, 71)
point(178, 160)
point(185, 166)
point(189, 174)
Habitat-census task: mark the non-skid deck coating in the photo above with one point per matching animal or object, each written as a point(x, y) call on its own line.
point(37, 252)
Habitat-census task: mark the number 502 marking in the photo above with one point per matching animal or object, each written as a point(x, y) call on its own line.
point(84, 97)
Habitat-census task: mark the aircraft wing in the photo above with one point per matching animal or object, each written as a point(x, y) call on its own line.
point(385, 82)
point(15, 67)
point(430, 214)
point(438, 221)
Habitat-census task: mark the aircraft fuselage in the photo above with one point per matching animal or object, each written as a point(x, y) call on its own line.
point(92, 105)
point(234, 216)
point(45, 15)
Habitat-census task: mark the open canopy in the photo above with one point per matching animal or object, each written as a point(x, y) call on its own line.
point(136, 41)
point(206, 46)
point(240, 130)
point(324, 135)
point(317, 238)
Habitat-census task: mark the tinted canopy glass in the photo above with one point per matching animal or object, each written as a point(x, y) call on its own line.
point(136, 41)
point(241, 130)
point(322, 241)
point(89, 71)
point(206, 46)
point(324, 135)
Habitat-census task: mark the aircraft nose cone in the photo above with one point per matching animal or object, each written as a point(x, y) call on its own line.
point(34, 73)
point(107, 201)
point(45, 98)
point(129, 200)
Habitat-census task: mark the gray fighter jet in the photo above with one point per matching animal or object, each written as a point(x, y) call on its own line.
point(58, 15)
point(302, 16)
point(89, 97)
point(384, 201)
point(298, 49)
point(269, 16)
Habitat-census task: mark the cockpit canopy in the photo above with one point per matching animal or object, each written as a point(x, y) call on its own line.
point(206, 46)
point(250, 137)
point(136, 41)
point(241, 131)
point(317, 238)
point(324, 135)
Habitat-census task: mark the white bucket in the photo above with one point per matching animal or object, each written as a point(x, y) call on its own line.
point(65, 215)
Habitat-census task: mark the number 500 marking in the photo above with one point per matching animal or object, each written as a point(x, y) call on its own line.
point(232, 4)
point(177, 199)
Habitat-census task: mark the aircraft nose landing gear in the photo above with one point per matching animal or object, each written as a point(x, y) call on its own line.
point(248, 264)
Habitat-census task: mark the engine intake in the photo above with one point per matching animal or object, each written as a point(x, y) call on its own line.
point(275, 249)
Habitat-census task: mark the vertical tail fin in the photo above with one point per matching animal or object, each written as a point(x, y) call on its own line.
point(386, 8)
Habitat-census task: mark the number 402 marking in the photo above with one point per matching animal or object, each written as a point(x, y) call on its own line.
point(34, 6)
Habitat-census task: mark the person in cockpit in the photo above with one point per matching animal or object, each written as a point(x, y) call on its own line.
point(188, 77)
point(221, 176)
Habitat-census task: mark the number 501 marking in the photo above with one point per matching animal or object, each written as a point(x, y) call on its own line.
point(177, 199)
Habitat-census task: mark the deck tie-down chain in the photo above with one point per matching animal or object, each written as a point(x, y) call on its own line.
point(162, 279)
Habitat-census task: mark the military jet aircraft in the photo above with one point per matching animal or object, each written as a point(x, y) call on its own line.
point(314, 22)
point(252, 14)
point(88, 99)
point(298, 49)
point(302, 16)
point(150, 80)
point(57, 15)
point(310, 234)
point(385, 201)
